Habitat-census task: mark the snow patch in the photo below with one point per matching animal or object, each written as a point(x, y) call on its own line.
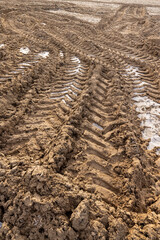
point(149, 113)
point(2, 45)
point(78, 67)
point(61, 54)
point(132, 70)
point(43, 54)
point(24, 50)
point(24, 65)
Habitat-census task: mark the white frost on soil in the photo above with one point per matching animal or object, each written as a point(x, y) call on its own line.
point(65, 102)
point(24, 50)
point(75, 59)
point(78, 67)
point(143, 83)
point(132, 70)
point(149, 113)
point(59, 92)
point(24, 65)
point(69, 97)
point(75, 87)
point(56, 97)
point(43, 54)
point(85, 17)
point(63, 92)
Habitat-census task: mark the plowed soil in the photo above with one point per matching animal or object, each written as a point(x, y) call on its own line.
point(79, 121)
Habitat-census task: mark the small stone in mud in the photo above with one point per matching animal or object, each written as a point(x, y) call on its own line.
point(104, 220)
point(158, 162)
point(79, 217)
point(118, 169)
point(27, 200)
point(72, 234)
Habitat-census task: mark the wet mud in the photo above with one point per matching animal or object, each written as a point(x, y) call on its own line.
point(79, 122)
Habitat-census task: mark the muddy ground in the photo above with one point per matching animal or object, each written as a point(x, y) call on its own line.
point(79, 121)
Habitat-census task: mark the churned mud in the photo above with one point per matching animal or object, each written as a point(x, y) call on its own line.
point(79, 121)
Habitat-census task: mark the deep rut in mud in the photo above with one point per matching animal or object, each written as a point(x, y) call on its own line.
point(79, 122)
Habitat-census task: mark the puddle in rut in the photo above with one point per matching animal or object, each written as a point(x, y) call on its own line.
point(24, 65)
point(149, 113)
point(97, 126)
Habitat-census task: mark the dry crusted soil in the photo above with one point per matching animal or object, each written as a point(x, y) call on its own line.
point(73, 163)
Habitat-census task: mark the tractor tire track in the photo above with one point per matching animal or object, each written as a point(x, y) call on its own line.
point(79, 124)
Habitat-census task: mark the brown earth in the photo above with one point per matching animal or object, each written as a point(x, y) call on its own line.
point(73, 163)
